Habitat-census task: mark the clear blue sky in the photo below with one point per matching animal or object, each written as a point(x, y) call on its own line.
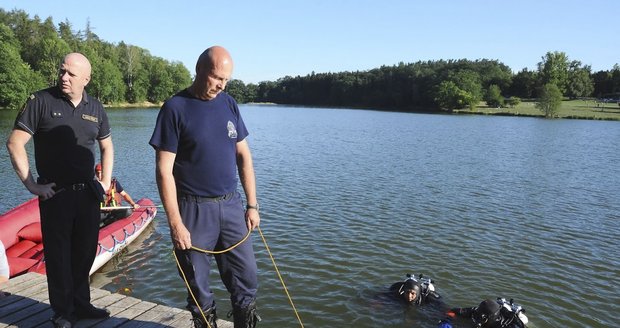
point(269, 39)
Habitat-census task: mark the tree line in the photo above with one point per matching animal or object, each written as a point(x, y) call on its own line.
point(438, 85)
point(31, 49)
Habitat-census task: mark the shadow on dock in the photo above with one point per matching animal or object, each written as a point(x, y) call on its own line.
point(28, 307)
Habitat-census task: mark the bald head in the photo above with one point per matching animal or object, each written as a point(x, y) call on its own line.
point(213, 71)
point(79, 61)
point(74, 75)
point(214, 57)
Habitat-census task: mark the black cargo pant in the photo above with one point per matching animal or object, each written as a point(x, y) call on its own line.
point(70, 228)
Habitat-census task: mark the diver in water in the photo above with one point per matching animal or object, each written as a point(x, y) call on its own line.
point(416, 291)
point(420, 300)
point(491, 314)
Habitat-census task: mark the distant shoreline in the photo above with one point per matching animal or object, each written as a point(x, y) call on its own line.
point(572, 109)
point(147, 104)
point(144, 104)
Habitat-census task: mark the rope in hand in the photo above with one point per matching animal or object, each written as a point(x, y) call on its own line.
point(273, 261)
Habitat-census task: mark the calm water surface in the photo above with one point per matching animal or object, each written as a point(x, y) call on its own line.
point(352, 200)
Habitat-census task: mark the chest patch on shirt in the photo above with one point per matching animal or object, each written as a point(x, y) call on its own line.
point(90, 118)
point(232, 131)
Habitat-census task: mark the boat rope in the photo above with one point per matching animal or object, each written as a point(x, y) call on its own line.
point(273, 261)
point(126, 235)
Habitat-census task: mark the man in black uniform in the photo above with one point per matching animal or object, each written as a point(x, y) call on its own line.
point(65, 124)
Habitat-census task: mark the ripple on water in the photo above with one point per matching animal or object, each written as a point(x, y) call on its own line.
point(352, 200)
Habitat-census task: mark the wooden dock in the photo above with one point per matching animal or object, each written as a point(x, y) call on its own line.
point(28, 307)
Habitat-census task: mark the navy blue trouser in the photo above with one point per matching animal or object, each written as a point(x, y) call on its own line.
point(217, 225)
point(70, 229)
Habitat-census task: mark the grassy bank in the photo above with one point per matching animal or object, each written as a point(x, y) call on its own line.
point(576, 109)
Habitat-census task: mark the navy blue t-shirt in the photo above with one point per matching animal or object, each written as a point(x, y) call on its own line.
point(64, 136)
point(204, 135)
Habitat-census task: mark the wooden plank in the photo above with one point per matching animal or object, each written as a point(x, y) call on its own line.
point(20, 283)
point(106, 301)
point(38, 293)
point(34, 320)
point(23, 313)
point(8, 300)
point(23, 302)
point(158, 314)
point(122, 311)
point(42, 296)
point(96, 293)
point(28, 306)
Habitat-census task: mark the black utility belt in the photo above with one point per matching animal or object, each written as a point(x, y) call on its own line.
point(92, 185)
point(200, 199)
point(80, 186)
point(74, 187)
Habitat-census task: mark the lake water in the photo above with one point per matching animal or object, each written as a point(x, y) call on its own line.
point(352, 200)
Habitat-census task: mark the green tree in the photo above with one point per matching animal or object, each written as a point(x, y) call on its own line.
point(139, 86)
point(26, 30)
point(468, 82)
point(16, 77)
point(161, 85)
point(181, 77)
point(130, 61)
point(48, 50)
point(550, 100)
point(41, 46)
point(602, 83)
point(493, 72)
point(524, 84)
point(450, 96)
point(580, 84)
point(65, 30)
point(251, 92)
point(107, 82)
point(513, 101)
point(265, 90)
point(494, 96)
point(615, 79)
point(237, 89)
point(554, 69)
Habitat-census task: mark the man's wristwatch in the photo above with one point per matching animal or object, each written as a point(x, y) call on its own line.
point(256, 207)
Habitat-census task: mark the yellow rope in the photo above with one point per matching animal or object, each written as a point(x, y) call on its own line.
point(224, 250)
point(280, 276)
point(228, 250)
point(190, 290)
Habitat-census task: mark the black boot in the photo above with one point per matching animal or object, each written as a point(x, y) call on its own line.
point(246, 317)
point(199, 321)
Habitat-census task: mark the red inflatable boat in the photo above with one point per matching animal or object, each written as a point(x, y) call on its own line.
point(20, 232)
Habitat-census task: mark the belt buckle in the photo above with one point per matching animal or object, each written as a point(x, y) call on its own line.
point(78, 186)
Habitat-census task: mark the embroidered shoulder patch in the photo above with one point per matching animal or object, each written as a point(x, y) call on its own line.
point(232, 132)
point(21, 112)
point(90, 118)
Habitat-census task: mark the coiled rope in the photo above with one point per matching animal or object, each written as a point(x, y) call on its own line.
point(273, 261)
